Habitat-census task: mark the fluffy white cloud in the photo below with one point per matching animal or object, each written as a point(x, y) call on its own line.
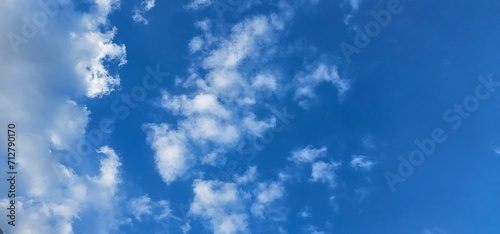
point(361, 162)
point(55, 210)
point(76, 42)
point(325, 172)
point(266, 193)
point(171, 153)
point(138, 12)
point(307, 154)
point(221, 204)
point(47, 66)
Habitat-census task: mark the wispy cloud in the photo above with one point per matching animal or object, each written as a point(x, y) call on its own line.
point(139, 11)
point(199, 4)
point(266, 193)
point(315, 73)
point(361, 162)
point(354, 4)
point(307, 154)
point(144, 207)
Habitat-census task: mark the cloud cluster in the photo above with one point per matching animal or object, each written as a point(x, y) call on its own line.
point(321, 171)
point(227, 86)
point(220, 102)
point(226, 206)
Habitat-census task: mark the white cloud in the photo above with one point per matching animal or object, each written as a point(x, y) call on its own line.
point(249, 176)
point(149, 4)
point(199, 4)
point(44, 74)
point(141, 206)
point(347, 19)
point(361, 162)
point(307, 154)
point(186, 228)
point(219, 103)
point(104, 191)
point(109, 178)
point(314, 74)
point(219, 107)
point(144, 207)
point(317, 232)
point(220, 203)
point(171, 153)
point(69, 196)
point(138, 12)
point(325, 172)
point(225, 206)
point(354, 5)
point(265, 80)
point(208, 129)
point(266, 193)
point(195, 44)
point(101, 49)
point(212, 159)
point(257, 127)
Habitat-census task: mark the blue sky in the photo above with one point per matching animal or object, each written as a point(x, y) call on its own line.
point(251, 116)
